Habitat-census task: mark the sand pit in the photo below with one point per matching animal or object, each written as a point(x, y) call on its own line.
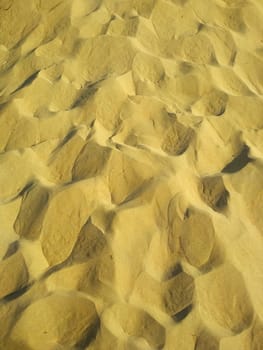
point(131, 183)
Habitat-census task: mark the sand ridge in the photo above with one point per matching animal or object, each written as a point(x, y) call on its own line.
point(131, 174)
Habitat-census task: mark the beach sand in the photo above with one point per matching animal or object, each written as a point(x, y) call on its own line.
point(131, 174)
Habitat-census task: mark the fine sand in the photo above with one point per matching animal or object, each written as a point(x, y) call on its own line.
point(131, 174)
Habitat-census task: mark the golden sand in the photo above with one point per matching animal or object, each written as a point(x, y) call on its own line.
point(131, 176)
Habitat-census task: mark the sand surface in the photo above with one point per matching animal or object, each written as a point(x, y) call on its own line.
point(131, 174)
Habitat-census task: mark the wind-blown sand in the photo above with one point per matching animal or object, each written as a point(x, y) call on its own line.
point(131, 174)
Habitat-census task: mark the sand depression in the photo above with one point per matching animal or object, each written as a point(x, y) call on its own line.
point(131, 183)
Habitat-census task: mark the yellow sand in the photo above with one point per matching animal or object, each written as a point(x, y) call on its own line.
point(131, 174)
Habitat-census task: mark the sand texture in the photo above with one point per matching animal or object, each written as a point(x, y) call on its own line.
point(131, 174)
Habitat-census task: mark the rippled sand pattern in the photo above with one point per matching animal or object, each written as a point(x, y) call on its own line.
point(131, 174)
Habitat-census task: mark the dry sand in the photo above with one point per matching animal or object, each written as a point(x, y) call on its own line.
point(131, 174)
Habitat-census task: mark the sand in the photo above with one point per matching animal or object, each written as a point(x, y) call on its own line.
point(131, 174)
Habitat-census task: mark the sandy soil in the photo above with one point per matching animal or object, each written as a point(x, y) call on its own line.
point(131, 174)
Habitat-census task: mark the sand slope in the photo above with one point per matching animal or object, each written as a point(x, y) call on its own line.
point(131, 150)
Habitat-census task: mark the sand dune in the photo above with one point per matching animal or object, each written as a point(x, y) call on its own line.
point(131, 178)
